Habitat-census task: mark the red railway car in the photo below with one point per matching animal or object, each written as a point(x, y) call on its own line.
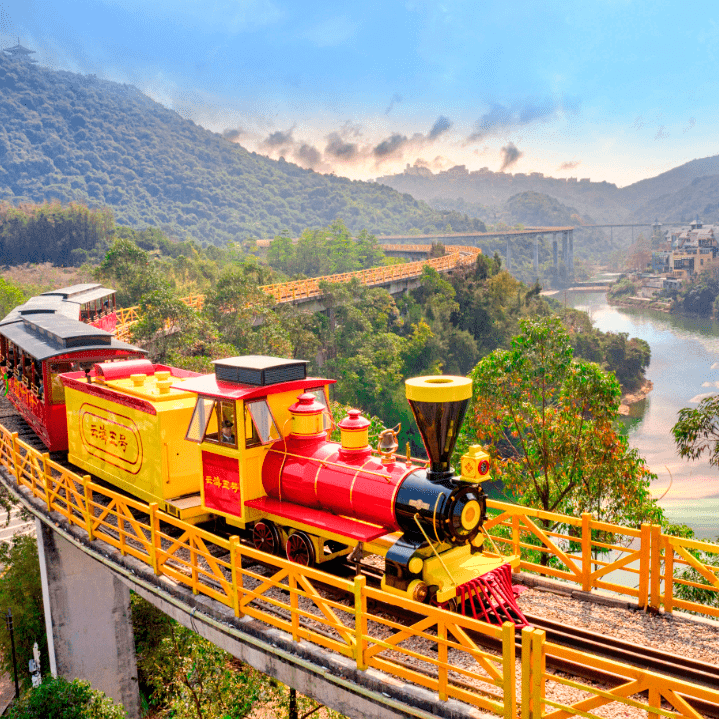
point(35, 349)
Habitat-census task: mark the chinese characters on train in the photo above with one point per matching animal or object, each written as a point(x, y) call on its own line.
point(110, 437)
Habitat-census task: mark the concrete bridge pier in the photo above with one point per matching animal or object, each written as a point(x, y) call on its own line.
point(509, 256)
point(565, 257)
point(570, 264)
point(536, 256)
point(554, 254)
point(88, 620)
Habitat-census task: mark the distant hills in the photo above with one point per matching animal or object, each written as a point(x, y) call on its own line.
point(79, 138)
point(676, 195)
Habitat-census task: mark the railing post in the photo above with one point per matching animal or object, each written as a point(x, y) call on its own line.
point(586, 552)
point(526, 687)
point(668, 575)
point(154, 539)
point(645, 543)
point(45, 478)
point(16, 457)
point(509, 678)
point(294, 604)
point(442, 659)
point(360, 585)
point(89, 512)
point(655, 571)
point(516, 549)
point(539, 665)
point(236, 567)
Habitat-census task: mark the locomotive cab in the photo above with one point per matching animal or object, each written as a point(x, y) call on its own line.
point(241, 411)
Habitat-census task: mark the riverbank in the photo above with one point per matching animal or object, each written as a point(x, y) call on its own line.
point(643, 302)
point(631, 398)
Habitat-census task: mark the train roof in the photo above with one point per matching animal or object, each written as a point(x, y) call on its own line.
point(210, 386)
point(44, 336)
point(65, 302)
point(253, 376)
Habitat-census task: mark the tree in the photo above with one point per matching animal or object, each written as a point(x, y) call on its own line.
point(60, 699)
point(21, 592)
point(549, 422)
point(697, 431)
point(186, 676)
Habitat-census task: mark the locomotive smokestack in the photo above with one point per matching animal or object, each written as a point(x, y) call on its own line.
point(439, 404)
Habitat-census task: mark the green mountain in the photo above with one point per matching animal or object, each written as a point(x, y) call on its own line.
point(642, 201)
point(701, 198)
point(72, 137)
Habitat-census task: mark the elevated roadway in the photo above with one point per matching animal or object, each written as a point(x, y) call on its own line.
point(396, 279)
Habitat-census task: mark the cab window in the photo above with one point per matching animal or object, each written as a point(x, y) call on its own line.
point(260, 426)
point(213, 421)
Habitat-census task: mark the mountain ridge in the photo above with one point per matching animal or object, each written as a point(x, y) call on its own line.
point(80, 138)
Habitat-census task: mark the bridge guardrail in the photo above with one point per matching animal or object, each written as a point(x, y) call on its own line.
point(436, 652)
point(647, 565)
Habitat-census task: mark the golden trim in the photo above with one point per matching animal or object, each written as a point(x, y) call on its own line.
point(434, 518)
point(328, 463)
point(317, 476)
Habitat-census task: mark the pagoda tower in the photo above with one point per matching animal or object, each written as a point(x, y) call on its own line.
point(18, 52)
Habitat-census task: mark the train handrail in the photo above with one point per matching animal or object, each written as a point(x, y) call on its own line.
point(353, 630)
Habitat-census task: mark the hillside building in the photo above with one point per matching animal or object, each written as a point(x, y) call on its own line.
point(18, 52)
point(693, 249)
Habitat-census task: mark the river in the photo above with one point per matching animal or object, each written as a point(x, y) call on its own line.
point(684, 367)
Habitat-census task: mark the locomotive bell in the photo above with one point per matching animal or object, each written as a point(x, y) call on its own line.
point(439, 404)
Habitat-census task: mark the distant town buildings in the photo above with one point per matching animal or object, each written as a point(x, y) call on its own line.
point(687, 251)
point(18, 52)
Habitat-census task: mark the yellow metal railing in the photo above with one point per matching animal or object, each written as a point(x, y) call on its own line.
point(457, 256)
point(638, 693)
point(644, 563)
point(437, 651)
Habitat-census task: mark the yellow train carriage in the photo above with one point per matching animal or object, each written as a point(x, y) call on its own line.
point(127, 426)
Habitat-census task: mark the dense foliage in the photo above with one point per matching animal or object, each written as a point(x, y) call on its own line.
point(21, 592)
point(77, 138)
point(615, 352)
point(549, 422)
point(57, 698)
point(51, 233)
point(697, 431)
point(327, 251)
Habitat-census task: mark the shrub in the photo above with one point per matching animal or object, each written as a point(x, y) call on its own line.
point(61, 699)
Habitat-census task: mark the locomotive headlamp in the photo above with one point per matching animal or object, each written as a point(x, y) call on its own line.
point(475, 465)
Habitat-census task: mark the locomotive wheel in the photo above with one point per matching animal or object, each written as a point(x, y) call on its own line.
point(265, 537)
point(300, 549)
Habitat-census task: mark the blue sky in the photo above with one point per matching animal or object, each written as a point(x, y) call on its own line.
point(614, 90)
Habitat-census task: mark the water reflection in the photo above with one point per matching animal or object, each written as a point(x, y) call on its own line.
point(684, 365)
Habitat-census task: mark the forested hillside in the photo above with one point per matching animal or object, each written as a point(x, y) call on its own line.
point(684, 187)
point(77, 138)
point(701, 198)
